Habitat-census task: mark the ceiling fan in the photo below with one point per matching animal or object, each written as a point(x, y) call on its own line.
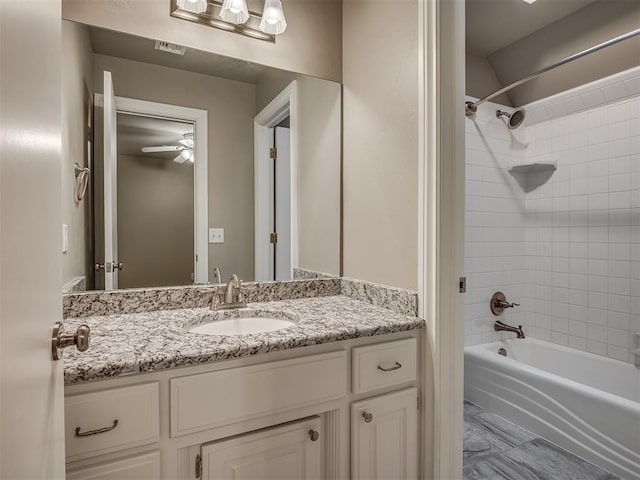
point(184, 149)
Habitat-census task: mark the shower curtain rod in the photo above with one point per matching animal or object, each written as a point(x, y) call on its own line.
point(472, 107)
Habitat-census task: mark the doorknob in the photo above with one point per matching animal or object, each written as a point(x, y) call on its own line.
point(118, 266)
point(61, 340)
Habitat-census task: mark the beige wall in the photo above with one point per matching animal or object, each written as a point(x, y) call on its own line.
point(270, 84)
point(319, 154)
point(155, 221)
point(77, 85)
point(380, 150)
point(481, 80)
point(310, 45)
point(231, 108)
point(596, 23)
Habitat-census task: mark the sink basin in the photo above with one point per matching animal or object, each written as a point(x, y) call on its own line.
point(241, 322)
point(242, 326)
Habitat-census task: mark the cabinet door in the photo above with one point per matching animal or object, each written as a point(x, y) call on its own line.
point(141, 467)
point(288, 452)
point(384, 437)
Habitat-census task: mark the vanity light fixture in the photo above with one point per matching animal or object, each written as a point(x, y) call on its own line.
point(273, 20)
point(195, 6)
point(234, 16)
point(235, 11)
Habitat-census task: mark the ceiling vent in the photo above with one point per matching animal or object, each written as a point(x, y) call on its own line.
point(170, 47)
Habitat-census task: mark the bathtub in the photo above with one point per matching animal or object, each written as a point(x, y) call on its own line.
point(584, 403)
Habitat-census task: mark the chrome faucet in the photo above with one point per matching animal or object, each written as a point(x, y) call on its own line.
point(233, 296)
point(498, 326)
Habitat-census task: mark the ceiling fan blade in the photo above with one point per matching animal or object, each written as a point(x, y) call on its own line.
point(179, 159)
point(162, 148)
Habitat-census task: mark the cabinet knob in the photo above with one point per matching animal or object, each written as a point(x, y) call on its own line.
point(313, 435)
point(368, 417)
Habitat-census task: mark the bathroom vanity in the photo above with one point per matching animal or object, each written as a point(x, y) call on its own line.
point(336, 395)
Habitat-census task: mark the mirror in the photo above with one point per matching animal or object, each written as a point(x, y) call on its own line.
point(192, 166)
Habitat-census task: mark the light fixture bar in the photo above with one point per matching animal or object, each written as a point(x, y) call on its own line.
point(211, 18)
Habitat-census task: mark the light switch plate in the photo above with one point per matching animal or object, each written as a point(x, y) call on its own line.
point(65, 238)
point(216, 235)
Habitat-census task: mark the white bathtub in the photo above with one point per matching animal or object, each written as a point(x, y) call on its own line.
point(585, 403)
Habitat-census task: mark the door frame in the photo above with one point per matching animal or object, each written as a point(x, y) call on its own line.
point(441, 30)
point(200, 179)
point(283, 105)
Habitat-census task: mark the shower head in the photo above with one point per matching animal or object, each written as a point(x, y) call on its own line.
point(515, 119)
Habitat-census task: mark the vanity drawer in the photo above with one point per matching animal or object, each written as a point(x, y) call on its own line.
point(110, 420)
point(209, 400)
point(140, 467)
point(384, 365)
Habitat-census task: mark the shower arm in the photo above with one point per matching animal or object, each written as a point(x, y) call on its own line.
point(472, 107)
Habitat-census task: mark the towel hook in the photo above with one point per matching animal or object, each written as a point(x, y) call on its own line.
point(82, 181)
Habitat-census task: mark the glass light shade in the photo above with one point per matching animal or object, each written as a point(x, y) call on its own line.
point(273, 20)
point(187, 155)
point(234, 11)
point(196, 6)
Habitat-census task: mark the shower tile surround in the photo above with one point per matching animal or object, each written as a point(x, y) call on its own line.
point(566, 247)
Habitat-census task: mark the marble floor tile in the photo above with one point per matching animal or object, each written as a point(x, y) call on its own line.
point(496, 449)
point(535, 460)
point(486, 433)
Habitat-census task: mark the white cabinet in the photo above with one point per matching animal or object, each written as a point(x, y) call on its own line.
point(384, 437)
point(141, 467)
point(284, 416)
point(288, 452)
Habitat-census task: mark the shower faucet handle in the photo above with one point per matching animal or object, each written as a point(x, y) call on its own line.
point(499, 303)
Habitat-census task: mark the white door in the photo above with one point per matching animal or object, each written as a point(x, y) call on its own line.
point(31, 384)
point(110, 185)
point(384, 437)
point(282, 183)
point(289, 452)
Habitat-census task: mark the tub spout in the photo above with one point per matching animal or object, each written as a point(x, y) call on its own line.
point(498, 326)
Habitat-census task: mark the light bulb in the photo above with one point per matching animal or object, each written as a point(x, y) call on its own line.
point(273, 20)
point(196, 6)
point(234, 11)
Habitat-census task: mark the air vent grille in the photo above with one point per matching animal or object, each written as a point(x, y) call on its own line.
point(170, 47)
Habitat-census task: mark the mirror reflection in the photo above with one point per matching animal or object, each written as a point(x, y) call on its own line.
point(199, 166)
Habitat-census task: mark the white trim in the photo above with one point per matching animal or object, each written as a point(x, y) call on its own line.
point(283, 105)
point(200, 149)
point(441, 231)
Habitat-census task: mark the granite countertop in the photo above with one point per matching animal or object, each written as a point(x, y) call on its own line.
point(146, 342)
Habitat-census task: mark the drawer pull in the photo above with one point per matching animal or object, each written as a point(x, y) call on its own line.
point(97, 431)
point(368, 417)
point(397, 366)
point(314, 435)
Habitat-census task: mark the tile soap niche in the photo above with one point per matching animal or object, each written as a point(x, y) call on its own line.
point(533, 173)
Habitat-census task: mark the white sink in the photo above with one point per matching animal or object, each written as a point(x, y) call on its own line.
point(246, 323)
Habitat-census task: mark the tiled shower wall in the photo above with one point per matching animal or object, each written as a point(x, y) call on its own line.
point(583, 230)
point(495, 229)
point(567, 247)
